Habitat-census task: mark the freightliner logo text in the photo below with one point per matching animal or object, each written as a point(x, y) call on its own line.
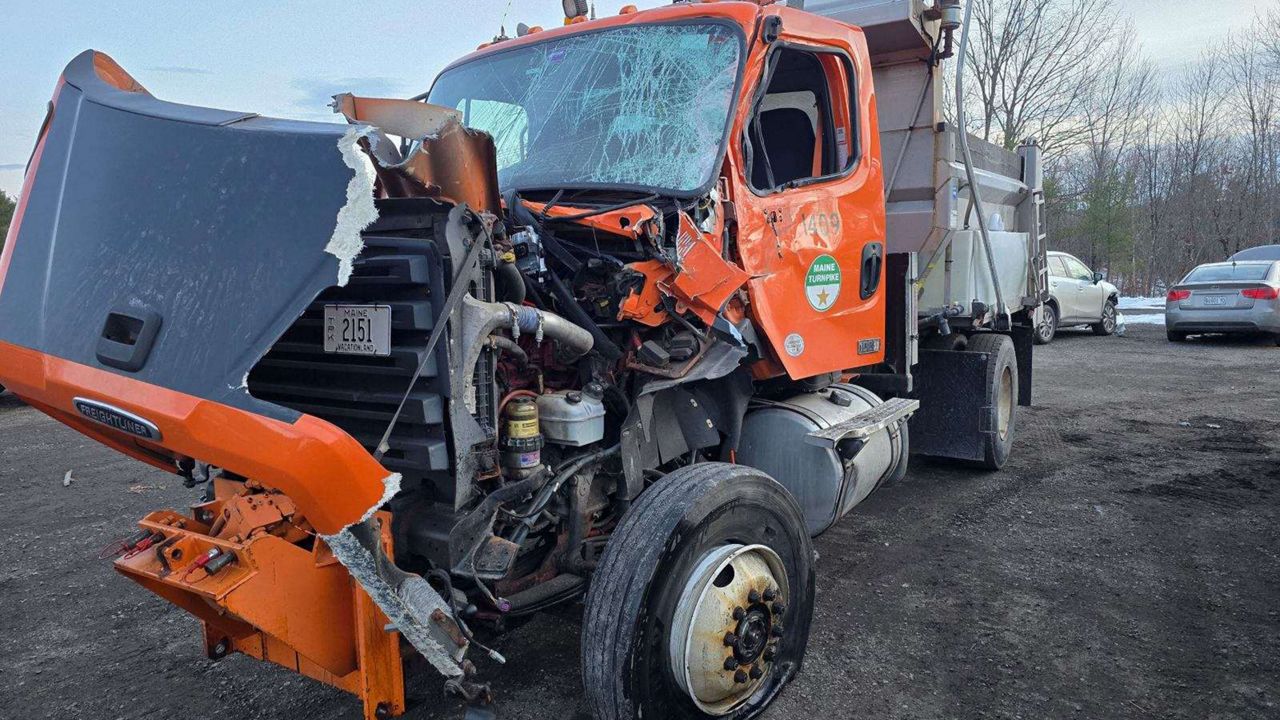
point(116, 418)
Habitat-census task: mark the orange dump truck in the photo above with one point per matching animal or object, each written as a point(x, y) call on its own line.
point(629, 309)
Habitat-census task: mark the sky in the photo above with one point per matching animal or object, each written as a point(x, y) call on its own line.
point(287, 59)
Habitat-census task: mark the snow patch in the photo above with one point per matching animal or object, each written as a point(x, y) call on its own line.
point(1141, 303)
point(359, 212)
point(1145, 319)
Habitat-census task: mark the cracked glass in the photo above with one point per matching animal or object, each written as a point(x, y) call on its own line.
point(643, 106)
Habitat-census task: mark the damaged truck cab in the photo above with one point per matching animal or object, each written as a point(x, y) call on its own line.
point(619, 311)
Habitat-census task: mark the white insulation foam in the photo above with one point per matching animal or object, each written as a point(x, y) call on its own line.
point(359, 212)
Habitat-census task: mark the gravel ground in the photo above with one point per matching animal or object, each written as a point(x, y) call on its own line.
point(1124, 564)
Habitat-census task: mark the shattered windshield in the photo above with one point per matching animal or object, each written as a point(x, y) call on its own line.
point(645, 107)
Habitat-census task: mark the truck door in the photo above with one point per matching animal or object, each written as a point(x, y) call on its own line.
point(811, 207)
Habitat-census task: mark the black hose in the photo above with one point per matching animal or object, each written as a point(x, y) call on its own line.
point(510, 283)
point(568, 305)
point(509, 347)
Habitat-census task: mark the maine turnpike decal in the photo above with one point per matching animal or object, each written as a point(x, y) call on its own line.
point(822, 283)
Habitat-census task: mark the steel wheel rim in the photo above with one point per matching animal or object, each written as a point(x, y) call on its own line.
point(1004, 403)
point(724, 636)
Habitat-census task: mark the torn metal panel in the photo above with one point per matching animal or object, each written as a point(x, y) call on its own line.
point(417, 611)
point(405, 118)
point(446, 161)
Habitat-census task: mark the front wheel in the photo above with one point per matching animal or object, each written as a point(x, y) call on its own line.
point(1107, 325)
point(1175, 336)
point(700, 606)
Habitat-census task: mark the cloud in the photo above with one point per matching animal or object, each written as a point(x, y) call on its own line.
point(12, 166)
point(317, 93)
point(179, 70)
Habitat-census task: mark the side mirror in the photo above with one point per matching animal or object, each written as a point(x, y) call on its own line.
point(1097, 278)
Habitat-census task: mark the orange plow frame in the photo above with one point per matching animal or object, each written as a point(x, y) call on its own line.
point(276, 601)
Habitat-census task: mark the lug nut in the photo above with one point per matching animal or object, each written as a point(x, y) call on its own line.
point(731, 663)
point(769, 595)
point(753, 597)
point(730, 640)
point(756, 673)
point(739, 613)
point(779, 609)
point(740, 676)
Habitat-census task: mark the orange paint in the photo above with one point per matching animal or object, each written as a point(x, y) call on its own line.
point(780, 237)
point(633, 222)
point(330, 476)
point(277, 601)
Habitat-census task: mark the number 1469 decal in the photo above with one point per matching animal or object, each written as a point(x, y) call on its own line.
point(822, 224)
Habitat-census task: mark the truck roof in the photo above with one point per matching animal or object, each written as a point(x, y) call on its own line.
point(744, 14)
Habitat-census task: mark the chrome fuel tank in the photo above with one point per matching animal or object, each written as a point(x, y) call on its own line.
point(826, 482)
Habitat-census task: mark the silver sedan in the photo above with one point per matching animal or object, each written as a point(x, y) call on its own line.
point(1226, 297)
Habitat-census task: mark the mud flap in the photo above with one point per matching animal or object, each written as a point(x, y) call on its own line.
point(951, 389)
point(1023, 337)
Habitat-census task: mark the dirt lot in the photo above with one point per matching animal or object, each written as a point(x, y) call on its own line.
point(1126, 563)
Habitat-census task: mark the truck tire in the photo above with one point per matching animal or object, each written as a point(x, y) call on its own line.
point(1048, 325)
point(1175, 336)
point(1001, 397)
point(702, 600)
point(1107, 325)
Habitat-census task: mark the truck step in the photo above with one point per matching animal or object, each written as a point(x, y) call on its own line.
point(865, 424)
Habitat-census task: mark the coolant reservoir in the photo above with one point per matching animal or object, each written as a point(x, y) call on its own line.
point(571, 417)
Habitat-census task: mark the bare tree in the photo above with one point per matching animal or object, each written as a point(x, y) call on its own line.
point(1035, 63)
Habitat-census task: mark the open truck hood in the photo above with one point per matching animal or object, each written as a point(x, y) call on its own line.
point(157, 253)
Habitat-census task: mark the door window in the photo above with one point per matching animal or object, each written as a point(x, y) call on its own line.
point(1057, 268)
point(1077, 270)
point(804, 127)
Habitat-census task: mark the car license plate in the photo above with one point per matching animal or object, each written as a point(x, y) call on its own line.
point(1215, 299)
point(357, 329)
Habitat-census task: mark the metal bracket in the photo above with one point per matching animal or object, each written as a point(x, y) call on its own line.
point(865, 424)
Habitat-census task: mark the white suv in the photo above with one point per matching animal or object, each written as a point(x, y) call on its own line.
point(1077, 296)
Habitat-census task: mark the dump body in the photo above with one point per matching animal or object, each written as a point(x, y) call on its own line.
point(927, 195)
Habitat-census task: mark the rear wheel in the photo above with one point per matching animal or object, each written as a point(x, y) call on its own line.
point(1107, 325)
point(1001, 398)
point(1175, 336)
point(1048, 325)
point(700, 606)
